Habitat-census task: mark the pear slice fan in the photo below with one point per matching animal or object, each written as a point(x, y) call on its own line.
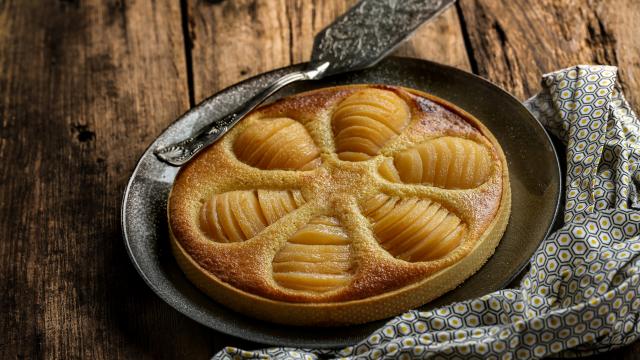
point(340, 206)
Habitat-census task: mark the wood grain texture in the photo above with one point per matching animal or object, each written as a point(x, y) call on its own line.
point(84, 87)
point(513, 42)
point(234, 40)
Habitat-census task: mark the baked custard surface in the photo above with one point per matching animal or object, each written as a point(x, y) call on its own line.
point(341, 205)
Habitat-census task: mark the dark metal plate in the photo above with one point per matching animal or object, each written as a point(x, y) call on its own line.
point(533, 168)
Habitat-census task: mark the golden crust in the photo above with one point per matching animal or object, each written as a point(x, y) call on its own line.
point(372, 283)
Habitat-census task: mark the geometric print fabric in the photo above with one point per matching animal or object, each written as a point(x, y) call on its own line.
point(582, 293)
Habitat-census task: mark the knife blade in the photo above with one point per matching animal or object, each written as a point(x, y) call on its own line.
point(369, 31)
point(358, 39)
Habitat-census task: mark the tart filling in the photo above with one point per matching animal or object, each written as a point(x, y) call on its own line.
point(341, 205)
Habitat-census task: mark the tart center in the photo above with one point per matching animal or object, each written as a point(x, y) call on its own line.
point(336, 180)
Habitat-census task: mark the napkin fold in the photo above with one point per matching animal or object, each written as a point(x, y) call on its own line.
point(581, 295)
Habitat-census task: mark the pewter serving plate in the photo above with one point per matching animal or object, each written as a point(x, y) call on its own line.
point(533, 168)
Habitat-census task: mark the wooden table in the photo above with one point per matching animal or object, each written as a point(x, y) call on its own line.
point(86, 85)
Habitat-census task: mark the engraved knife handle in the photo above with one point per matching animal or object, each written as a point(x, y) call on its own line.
point(181, 152)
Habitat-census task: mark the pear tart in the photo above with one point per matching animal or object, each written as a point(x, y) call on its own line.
point(340, 206)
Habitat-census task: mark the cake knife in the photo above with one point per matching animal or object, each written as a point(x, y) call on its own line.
point(358, 39)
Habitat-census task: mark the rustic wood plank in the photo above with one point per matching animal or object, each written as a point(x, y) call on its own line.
point(84, 87)
point(440, 40)
point(513, 42)
point(234, 40)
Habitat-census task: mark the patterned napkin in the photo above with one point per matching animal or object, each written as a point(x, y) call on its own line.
point(582, 294)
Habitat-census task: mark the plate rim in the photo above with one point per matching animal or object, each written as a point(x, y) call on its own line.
point(265, 339)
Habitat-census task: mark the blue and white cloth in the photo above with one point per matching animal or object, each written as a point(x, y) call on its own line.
point(582, 293)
